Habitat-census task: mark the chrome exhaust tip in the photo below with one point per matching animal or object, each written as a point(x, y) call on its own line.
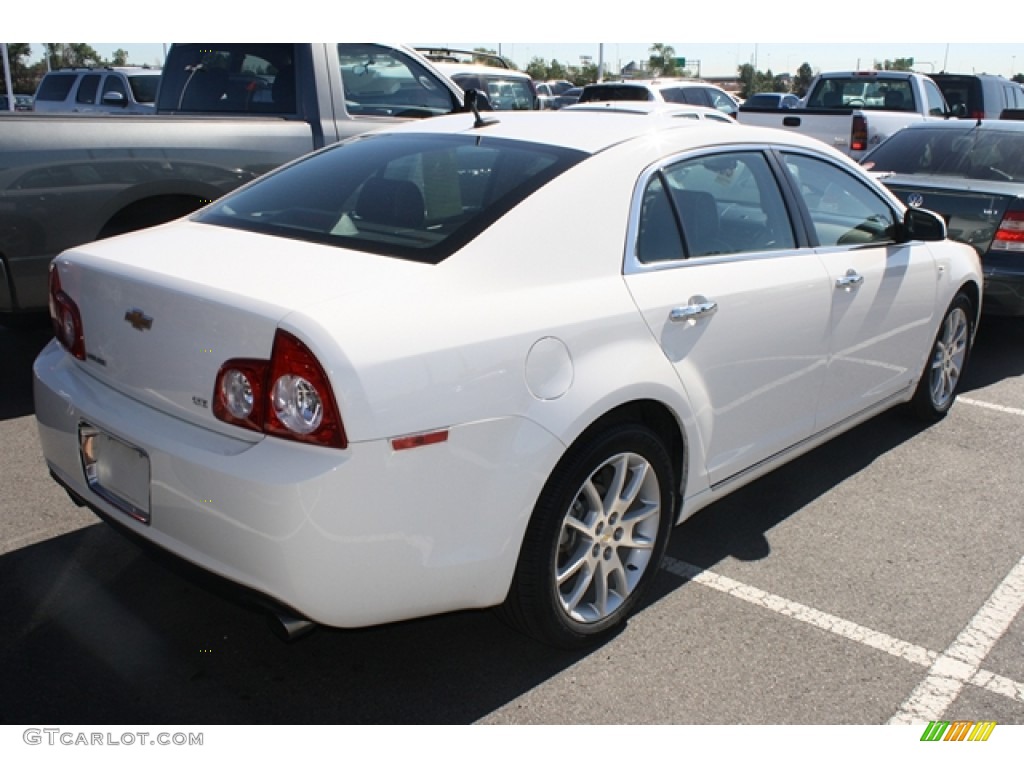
point(288, 627)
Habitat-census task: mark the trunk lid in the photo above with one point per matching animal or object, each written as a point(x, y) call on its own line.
point(972, 210)
point(163, 309)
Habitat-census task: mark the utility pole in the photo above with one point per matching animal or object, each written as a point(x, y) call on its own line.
point(7, 77)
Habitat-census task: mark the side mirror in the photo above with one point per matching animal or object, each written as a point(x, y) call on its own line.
point(115, 99)
point(921, 224)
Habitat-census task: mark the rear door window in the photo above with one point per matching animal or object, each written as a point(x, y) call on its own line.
point(715, 204)
point(87, 89)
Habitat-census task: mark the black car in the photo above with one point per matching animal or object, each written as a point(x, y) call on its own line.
point(971, 172)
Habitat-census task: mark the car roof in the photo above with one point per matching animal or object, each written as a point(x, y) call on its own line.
point(663, 108)
point(457, 68)
point(589, 132)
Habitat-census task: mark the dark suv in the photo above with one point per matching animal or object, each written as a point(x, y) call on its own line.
point(980, 96)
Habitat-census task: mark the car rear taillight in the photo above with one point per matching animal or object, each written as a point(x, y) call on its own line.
point(287, 396)
point(1010, 235)
point(66, 319)
point(859, 134)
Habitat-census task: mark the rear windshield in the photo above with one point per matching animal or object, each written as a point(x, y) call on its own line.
point(972, 153)
point(619, 92)
point(413, 196)
point(861, 92)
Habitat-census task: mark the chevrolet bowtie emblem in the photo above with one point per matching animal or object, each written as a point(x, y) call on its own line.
point(139, 320)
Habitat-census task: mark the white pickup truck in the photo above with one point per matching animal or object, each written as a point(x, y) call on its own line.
point(854, 111)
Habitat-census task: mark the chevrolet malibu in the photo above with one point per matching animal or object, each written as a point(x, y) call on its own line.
point(384, 382)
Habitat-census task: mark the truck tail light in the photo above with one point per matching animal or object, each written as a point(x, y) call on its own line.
point(287, 396)
point(1010, 236)
point(859, 134)
point(66, 319)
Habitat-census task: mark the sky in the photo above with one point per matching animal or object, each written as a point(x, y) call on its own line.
point(744, 31)
point(716, 59)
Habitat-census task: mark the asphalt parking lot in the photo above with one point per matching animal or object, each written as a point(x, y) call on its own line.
point(878, 579)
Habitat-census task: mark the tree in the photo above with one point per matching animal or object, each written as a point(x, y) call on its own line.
point(537, 69)
point(120, 58)
point(71, 55)
point(1018, 78)
point(21, 75)
point(754, 81)
point(663, 60)
point(586, 74)
point(897, 65)
point(802, 81)
point(556, 71)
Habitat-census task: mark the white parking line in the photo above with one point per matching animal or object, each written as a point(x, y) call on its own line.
point(948, 672)
point(990, 406)
point(961, 661)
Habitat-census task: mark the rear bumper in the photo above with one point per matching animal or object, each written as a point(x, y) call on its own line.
point(346, 538)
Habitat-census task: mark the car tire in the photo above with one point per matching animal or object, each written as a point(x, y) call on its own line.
point(943, 372)
point(597, 536)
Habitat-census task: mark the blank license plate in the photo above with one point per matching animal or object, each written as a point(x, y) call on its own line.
point(115, 470)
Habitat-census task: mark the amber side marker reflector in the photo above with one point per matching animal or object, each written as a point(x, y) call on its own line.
point(415, 441)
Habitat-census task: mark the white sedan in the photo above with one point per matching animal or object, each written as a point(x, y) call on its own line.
point(386, 381)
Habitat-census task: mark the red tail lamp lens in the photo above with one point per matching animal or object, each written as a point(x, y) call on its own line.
point(65, 317)
point(288, 396)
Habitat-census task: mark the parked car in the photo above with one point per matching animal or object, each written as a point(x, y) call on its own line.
point(559, 87)
point(654, 108)
point(490, 75)
point(773, 101)
point(567, 97)
point(971, 173)
point(22, 103)
point(545, 95)
point(504, 89)
point(674, 90)
point(979, 96)
point(127, 90)
point(362, 386)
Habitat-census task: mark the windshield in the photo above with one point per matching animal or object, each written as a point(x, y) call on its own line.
point(413, 196)
point(609, 92)
point(971, 152)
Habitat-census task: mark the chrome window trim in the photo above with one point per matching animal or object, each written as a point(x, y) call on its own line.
point(632, 265)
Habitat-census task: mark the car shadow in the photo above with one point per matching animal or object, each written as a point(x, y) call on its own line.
point(996, 355)
point(20, 343)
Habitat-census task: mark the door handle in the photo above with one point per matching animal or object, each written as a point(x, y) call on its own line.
point(850, 280)
point(697, 308)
